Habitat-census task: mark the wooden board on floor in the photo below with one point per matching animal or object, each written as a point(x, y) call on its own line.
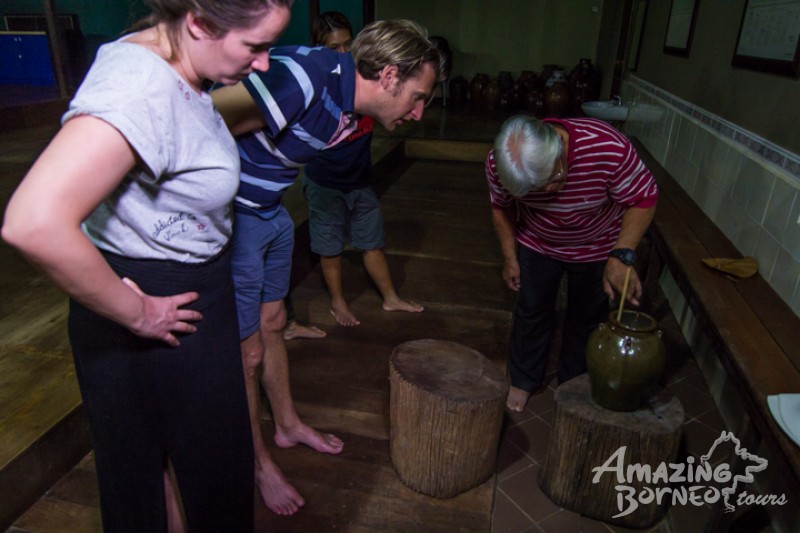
point(451, 183)
point(448, 150)
point(447, 289)
point(358, 490)
point(48, 380)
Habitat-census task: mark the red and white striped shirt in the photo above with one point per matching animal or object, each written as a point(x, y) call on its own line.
point(581, 222)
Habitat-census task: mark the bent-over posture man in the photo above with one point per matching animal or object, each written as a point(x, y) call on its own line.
point(308, 101)
point(568, 196)
point(342, 203)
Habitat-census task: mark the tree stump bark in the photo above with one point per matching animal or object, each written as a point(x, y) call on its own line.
point(446, 413)
point(587, 436)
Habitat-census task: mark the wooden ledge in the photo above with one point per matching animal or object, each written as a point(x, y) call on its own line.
point(755, 334)
point(447, 150)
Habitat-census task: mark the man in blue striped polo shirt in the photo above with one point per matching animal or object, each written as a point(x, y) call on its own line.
point(310, 99)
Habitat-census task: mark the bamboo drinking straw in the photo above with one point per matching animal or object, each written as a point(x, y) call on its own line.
point(624, 293)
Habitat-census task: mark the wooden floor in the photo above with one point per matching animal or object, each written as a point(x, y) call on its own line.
point(41, 419)
point(341, 384)
point(442, 253)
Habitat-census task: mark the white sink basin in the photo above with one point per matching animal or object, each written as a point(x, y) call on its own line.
point(645, 113)
point(605, 110)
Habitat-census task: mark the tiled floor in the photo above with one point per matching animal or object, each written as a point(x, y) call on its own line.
point(521, 506)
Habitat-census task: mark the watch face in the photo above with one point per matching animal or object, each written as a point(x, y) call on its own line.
point(626, 255)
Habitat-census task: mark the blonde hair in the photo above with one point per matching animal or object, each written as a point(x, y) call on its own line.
point(402, 43)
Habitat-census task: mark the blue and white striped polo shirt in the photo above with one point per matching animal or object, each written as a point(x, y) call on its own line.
point(306, 96)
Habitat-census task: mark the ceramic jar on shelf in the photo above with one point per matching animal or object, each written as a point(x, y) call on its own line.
point(551, 73)
point(491, 94)
point(505, 80)
point(534, 102)
point(528, 80)
point(556, 91)
point(584, 85)
point(476, 88)
point(516, 97)
point(459, 88)
point(556, 98)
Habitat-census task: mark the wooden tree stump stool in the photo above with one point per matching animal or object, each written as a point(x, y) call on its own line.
point(446, 412)
point(587, 436)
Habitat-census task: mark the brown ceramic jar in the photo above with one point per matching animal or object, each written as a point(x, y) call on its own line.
point(476, 88)
point(491, 95)
point(625, 360)
point(458, 90)
point(556, 99)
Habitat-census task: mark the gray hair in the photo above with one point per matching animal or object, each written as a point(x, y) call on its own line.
point(525, 152)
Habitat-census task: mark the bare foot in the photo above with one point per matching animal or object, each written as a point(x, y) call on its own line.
point(341, 312)
point(397, 304)
point(517, 399)
point(176, 521)
point(298, 331)
point(277, 493)
point(303, 434)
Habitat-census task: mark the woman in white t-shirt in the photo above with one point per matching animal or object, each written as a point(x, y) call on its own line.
point(128, 211)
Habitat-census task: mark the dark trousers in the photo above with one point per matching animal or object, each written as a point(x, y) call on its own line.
point(534, 317)
point(148, 403)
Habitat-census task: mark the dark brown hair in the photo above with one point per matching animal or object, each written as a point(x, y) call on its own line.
point(220, 16)
point(325, 24)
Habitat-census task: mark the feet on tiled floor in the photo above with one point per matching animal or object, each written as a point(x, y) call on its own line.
point(521, 506)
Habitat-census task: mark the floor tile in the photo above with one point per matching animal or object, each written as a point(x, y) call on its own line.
point(507, 517)
point(659, 527)
point(542, 401)
point(697, 381)
point(511, 460)
point(548, 417)
point(698, 437)
point(713, 420)
point(694, 401)
point(565, 520)
point(514, 418)
point(523, 489)
point(531, 437)
point(682, 370)
point(687, 517)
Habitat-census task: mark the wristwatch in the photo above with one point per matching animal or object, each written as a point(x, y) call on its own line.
point(626, 255)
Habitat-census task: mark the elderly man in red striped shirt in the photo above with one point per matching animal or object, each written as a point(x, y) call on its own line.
point(567, 195)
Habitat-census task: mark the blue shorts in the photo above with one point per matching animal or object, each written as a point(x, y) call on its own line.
point(336, 216)
point(261, 261)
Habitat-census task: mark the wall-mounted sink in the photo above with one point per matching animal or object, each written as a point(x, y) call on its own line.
point(613, 112)
point(645, 113)
point(605, 110)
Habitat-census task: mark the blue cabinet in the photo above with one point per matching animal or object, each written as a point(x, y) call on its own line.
point(25, 59)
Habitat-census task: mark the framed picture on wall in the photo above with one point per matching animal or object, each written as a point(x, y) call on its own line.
point(680, 27)
point(638, 16)
point(769, 37)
